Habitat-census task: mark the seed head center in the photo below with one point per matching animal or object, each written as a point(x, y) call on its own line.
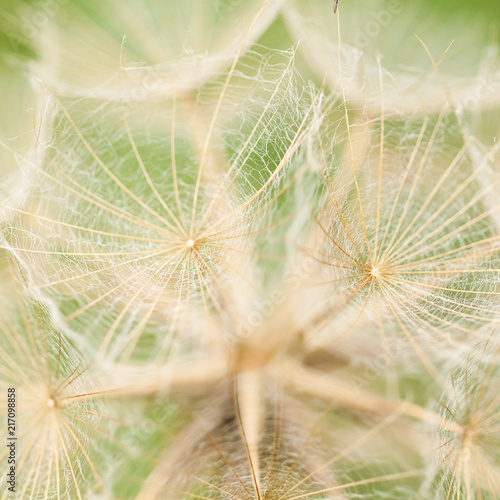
point(190, 243)
point(375, 272)
point(51, 402)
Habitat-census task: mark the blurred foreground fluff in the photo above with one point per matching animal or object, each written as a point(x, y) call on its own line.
point(230, 271)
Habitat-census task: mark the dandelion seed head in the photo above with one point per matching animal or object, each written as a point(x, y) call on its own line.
point(469, 438)
point(137, 226)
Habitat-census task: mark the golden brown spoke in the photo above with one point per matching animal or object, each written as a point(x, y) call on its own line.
point(212, 471)
point(489, 311)
point(215, 299)
point(101, 202)
point(429, 198)
point(451, 271)
point(322, 283)
point(440, 334)
point(229, 219)
point(244, 440)
point(117, 181)
point(308, 251)
point(95, 231)
point(490, 424)
point(202, 481)
point(235, 494)
point(54, 457)
point(37, 466)
point(64, 383)
point(434, 260)
point(10, 372)
point(294, 146)
point(37, 313)
point(192, 495)
point(333, 197)
point(225, 459)
point(324, 317)
point(136, 333)
point(178, 228)
point(58, 364)
point(81, 254)
point(387, 421)
point(26, 322)
point(486, 382)
point(164, 349)
point(94, 394)
point(172, 139)
point(373, 480)
point(68, 459)
point(364, 280)
point(430, 367)
point(383, 336)
point(218, 196)
point(110, 437)
point(447, 236)
point(230, 267)
point(204, 155)
point(493, 427)
point(337, 245)
point(445, 444)
point(437, 242)
point(110, 334)
point(202, 291)
point(351, 151)
point(326, 263)
point(428, 313)
point(360, 313)
point(303, 448)
point(276, 449)
point(478, 486)
point(449, 96)
point(251, 233)
point(403, 181)
point(243, 252)
point(381, 167)
point(114, 266)
point(392, 244)
point(212, 236)
point(221, 479)
point(93, 413)
point(452, 480)
point(79, 444)
point(76, 313)
point(435, 287)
